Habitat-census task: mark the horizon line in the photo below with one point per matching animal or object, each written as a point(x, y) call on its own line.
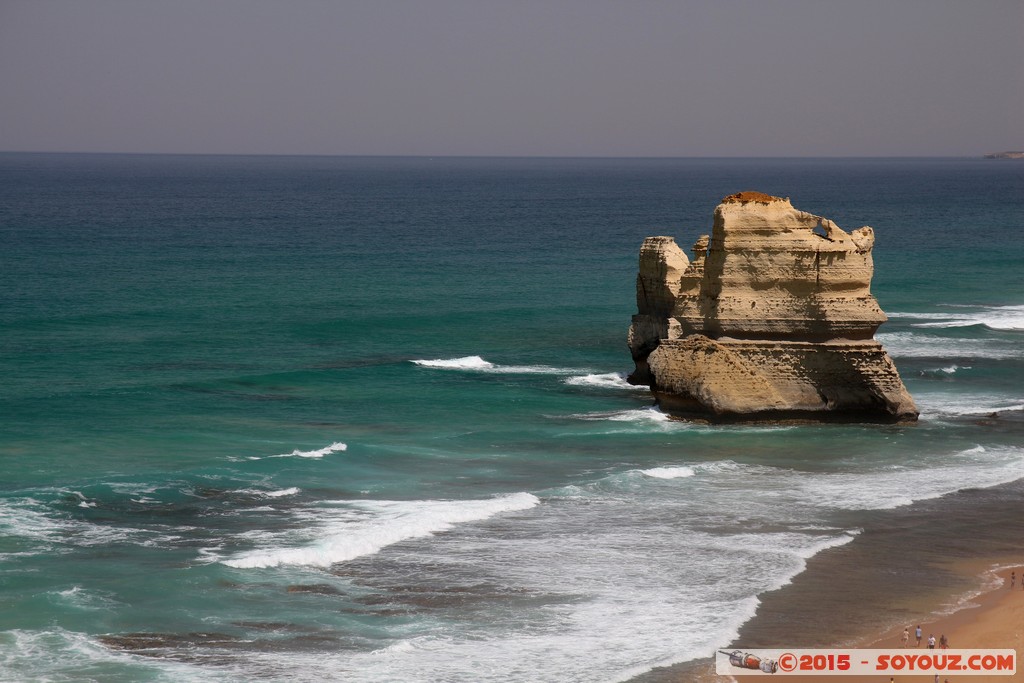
point(504, 156)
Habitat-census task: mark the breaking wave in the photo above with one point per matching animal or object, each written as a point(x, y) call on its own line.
point(916, 345)
point(478, 364)
point(280, 493)
point(608, 380)
point(669, 472)
point(356, 528)
point(335, 447)
point(1005, 318)
point(647, 415)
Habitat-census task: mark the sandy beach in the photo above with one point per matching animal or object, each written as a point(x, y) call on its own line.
point(990, 617)
point(993, 619)
point(942, 563)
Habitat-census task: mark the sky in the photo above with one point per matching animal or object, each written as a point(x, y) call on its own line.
point(513, 77)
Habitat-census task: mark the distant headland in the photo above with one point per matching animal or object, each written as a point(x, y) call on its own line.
point(1005, 155)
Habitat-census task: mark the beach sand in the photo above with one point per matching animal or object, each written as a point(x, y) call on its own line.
point(991, 617)
point(992, 620)
point(941, 563)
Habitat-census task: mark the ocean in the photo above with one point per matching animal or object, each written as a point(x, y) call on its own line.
point(365, 419)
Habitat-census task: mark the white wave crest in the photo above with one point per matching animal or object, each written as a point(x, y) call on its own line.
point(949, 369)
point(360, 528)
point(32, 520)
point(637, 415)
point(478, 364)
point(83, 501)
point(936, 404)
point(291, 491)
point(80, 598)
point(608, 380)
point(976, 467)
point(464, 363)
point(60, 655)
point(280, 493)
point(400, 647)
point(1007, 318)
point(669, 472)
point(335, 447)
point(917, 316)
point(993, 317)
point(919, 345)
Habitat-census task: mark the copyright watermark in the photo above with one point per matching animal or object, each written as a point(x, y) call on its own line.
point(857, 662)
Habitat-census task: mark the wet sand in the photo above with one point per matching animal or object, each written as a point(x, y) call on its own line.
point(941, 563)
point(993, 619)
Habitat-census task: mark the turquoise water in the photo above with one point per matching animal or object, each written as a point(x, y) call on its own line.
point(222, 460)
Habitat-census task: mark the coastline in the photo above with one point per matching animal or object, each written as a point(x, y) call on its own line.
point(942, 563)
point(990, 617)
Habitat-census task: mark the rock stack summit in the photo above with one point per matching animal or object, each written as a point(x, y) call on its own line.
point(773, 318)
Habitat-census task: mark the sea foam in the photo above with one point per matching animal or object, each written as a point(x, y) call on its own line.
point(33, 521)
point(923, 345)
point(975, 467)
point(478, 364)
point(279, 493)
point(1006, 318)
point(607, 380)
point(335, 447)
point(669, 472)
point(649, 414)
point(942, 404)
point(61, 655)
point(464, 363)
point(360, 528)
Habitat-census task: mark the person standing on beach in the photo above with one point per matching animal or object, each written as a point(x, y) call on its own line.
point(931, 641)
point(917, 634)
point(906, 636)
point(1013, 579)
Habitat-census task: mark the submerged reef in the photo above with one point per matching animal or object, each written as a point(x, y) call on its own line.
point(772, 318)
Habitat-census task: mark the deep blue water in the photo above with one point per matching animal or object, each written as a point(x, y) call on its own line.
point(220, 462)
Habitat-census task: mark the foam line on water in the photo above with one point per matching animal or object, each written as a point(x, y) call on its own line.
point(279, 493)
point(1005, 318)
point(32, 520)
point(641, 415)
point(464, 363)
point(335, 447)
point(669, 472)
point(77, 597)
point(622, 628)
point(358, 528)
point(607, 380)
point(630, 421)
point(975, 467)
point(62, 655)
point(923, 345)
point(758, 522)
point(478, 364)
point(884, 490)
point(944, 404)
point(948, 370)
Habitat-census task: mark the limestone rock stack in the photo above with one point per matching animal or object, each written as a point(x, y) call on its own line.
point(773, 317)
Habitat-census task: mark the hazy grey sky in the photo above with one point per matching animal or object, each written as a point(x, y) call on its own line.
point(514, 77)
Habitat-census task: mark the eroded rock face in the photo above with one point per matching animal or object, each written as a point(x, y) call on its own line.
point(772, 317)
